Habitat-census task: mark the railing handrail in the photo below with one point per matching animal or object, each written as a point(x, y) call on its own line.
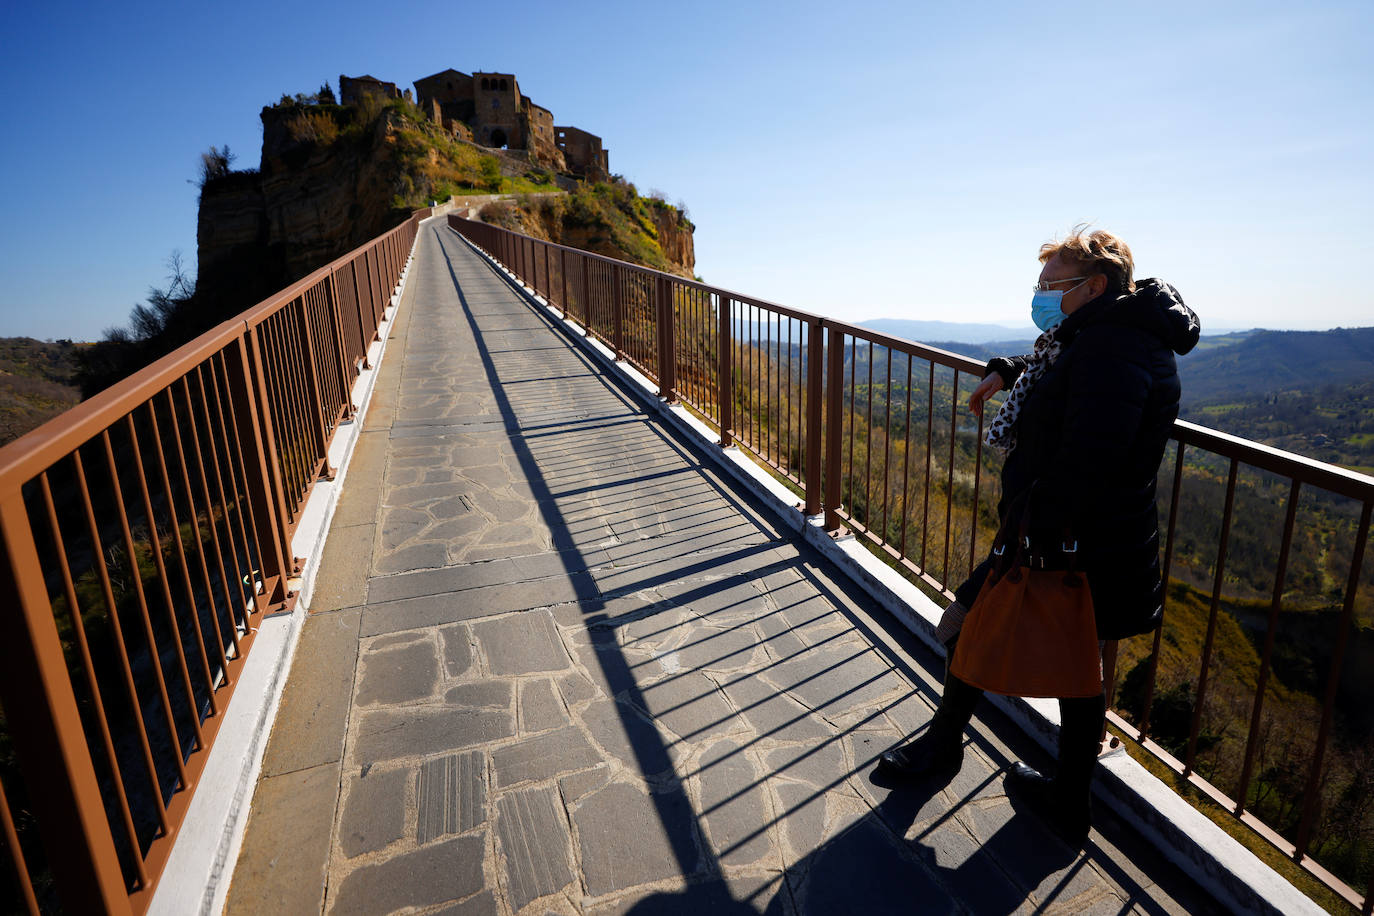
point(1334, 478)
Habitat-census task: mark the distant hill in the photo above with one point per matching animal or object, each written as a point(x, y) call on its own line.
point(1266, 362)
point(36, 383)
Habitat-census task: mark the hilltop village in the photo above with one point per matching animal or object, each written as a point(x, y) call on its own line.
point(487, 109)
point(340, 166)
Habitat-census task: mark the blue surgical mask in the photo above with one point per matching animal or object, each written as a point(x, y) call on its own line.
point(1045, 310)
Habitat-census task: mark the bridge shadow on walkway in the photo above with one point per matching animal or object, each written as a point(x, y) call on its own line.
point(556, 664)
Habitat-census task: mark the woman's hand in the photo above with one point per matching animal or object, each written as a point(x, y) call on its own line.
point(986, 389)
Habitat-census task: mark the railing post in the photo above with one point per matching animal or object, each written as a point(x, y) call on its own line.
point(815, 370)
point(563, 280)
point(586, 295)
point(262, 478)
point(336, 319)
point(618, 301)
point(667, 358)
point(44, 727)
point(312, 378)
point(725, 379)
point(834, 425)
point(1311, 801)
point(362, 325)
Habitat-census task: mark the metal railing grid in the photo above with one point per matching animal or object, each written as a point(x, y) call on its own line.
point(145, 533)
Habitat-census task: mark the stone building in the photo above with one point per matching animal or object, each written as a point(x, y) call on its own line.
point(583, 153)
point(353, 88)
point(498, 114)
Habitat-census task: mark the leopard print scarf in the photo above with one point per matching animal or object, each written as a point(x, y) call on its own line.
point(1002, 433)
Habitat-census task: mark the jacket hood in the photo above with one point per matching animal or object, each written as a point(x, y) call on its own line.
point(1154, 307)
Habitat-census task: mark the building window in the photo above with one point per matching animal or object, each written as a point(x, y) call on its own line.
point(503, 85)
point(495, 104)
point(486, 83)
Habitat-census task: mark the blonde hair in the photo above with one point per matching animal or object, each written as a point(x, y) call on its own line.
point(1095, 252)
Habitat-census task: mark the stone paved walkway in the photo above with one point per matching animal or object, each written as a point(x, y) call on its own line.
point(555, 664)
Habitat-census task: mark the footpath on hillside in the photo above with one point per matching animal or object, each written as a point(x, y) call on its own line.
point(556, 664)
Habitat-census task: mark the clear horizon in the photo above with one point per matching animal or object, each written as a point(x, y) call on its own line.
point(913, 156)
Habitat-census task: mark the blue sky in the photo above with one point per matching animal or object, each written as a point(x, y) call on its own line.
point(860, 160)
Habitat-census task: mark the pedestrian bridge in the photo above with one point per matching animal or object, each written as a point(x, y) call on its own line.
point(560, 652)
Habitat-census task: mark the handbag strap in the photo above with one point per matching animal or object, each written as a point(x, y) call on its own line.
point(1023, 554)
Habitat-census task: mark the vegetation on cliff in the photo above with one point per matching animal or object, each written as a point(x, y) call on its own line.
point(36, 383)
point(609, 218)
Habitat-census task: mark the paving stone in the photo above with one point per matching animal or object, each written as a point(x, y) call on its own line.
point(417, 731)
point(436, 610)
point(866, 856)
point(312, 716)
point(734, 805)
point(544, 757)
point(457, 650)
point(627, 838)
point(394, 640)
point(576, 689)
point(716, 897)
point(655, 626)
point(342, 578)
point(820, 764)
point(770, 713)
point(429, 875)
point(718, 649)
point(450, 795)
point(802, 818)
point(540, 708)
point(779, 639)
point(522, 644)
point(483, 904)
point(477, 575)
point(624, 734)
point(533, 835)
point(837, 677)
point(374, 815)
point(691, 706)
point(419, 556)
point(283, 867)
point(399, 675)
point(573, 787)
point(961, 865)
point(485, 694)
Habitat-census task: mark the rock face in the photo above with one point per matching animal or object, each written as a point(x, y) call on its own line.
point(311, 202)
point(257, 232)
point(676, 239)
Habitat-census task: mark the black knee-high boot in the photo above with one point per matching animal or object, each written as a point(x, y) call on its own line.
point(940, 748)
point(1065, 801)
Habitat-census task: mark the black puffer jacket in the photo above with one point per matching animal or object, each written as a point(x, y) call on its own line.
point(1090, 437)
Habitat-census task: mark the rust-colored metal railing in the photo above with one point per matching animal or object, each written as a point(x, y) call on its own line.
point(872, 431)
point(145, 534)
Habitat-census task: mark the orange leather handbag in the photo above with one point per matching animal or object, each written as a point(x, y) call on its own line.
point(1031, 631)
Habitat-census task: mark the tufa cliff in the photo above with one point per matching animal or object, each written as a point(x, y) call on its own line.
point(333, 176)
